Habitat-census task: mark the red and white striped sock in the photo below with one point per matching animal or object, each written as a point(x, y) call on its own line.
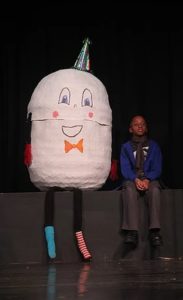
point(82, 245)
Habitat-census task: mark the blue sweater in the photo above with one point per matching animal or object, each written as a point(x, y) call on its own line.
point(152, 164)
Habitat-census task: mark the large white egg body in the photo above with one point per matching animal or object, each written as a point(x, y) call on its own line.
point(70, 131)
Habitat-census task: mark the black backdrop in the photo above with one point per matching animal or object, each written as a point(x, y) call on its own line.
point(136, 51)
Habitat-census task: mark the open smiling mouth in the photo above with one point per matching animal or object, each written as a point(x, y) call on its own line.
point(72, 131)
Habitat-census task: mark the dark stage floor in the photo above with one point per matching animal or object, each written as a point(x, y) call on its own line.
point(124, 280)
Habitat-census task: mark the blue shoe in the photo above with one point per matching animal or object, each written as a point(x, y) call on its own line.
point(49, 232)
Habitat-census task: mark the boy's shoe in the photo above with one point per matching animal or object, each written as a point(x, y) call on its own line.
point(131, 238)
point(155, 239)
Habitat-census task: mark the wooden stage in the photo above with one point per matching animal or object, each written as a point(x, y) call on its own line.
point(114, 272)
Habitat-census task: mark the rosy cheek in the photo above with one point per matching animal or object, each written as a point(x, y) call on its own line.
point(90, 114)
point(55, 114)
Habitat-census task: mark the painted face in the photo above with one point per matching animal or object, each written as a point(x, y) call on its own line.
point(71, 131)
point(138, 126)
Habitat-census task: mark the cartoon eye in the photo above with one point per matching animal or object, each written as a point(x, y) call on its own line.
point(87, 98)
point(64, 96)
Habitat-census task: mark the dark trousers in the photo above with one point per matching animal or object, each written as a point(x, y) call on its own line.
point(131, 198)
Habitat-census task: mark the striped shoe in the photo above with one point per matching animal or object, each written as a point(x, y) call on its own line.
point(82, 246)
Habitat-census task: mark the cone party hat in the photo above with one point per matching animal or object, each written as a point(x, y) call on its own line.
point(83, 61)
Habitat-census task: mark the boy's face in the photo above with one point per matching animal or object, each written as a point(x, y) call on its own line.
point(138, 126)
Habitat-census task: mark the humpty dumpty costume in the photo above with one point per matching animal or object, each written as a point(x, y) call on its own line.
point(69, 146)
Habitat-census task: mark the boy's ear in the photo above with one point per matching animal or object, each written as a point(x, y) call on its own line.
point(130, 129)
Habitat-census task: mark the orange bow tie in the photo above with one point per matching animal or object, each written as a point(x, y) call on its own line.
point(69, 146)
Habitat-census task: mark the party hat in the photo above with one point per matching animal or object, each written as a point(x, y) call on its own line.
point(83, 61)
